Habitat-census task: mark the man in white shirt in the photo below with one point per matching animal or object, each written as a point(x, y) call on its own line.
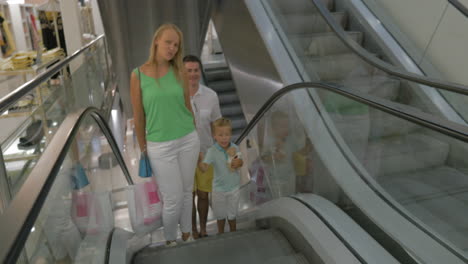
point(205, 105)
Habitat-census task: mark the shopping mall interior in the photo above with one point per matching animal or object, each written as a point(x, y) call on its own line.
point(350, 117)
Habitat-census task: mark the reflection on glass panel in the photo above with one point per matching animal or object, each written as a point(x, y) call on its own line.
point(323, 56)
point(77, 217)
point(28, 130)
point(29, 125)
point(424, 171)
point(282, 156)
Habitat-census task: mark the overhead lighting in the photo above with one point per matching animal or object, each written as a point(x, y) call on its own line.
point(15, 1)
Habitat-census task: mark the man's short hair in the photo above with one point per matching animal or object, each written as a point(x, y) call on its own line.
point(193, 58)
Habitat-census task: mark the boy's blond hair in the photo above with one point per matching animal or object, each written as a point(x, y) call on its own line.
point(221, 122)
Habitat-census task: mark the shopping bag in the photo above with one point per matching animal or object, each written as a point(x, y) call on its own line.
point(259, 192)
point(92, 212)
point(144, 169)
point(144, 206)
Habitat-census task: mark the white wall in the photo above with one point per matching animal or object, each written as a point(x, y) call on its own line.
point(72, 30)
point(98, 27)
point(17, 22)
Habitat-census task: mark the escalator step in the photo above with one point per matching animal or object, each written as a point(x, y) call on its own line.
point(228, 98)
point(252, 246)
point(221, 86)
point(231, 110)
point(310, 24)
point(322, 44)
point(217, 74)
point(298, 6)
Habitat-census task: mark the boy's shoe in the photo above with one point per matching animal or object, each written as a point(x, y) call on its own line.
point(171, 243)
point(189, 239)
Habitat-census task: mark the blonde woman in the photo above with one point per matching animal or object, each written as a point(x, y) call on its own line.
point(165, 127)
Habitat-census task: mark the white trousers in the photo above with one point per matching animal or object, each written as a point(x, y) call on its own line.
point(173, 163)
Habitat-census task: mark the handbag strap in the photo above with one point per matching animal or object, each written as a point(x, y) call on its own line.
point(139, 77)
point(139, 82)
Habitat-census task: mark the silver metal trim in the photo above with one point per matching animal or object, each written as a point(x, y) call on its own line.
point(24, 89)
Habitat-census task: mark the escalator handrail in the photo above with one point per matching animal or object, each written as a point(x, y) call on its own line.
point(20, 216)
point(461, 7)
point(380, 64)
point(26, 88)
point(443, 126)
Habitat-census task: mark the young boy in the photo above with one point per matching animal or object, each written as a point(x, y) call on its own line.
point(226, 180)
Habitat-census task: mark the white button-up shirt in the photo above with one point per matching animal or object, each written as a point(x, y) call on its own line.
point(205, 105)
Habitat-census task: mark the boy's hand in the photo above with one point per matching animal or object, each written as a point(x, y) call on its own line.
point(236, 163)
point(203, 166)
point(200, 157)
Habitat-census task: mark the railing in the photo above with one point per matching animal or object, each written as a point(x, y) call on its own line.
point(20, 217)
point(31, 114)
point(461, 7)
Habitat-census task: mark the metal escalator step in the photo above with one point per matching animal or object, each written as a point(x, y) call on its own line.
point(379, 85)
point(339, 67)
point(238, 122)
point(298, 6)
point(291, 259)
point(228, 98)
point(385, 125)
point(309, 24)
point(252, 246)
point(222, 86)
point(405, 153)
point(322, 44)
point(433, 183)
point(217, 74)
point(231, 110)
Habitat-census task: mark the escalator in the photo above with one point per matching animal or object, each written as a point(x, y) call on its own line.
point(373, 145)
point(339, 42)
point(45, 222)
point(42, 223)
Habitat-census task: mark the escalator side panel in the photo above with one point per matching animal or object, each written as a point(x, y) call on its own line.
point(251, 64)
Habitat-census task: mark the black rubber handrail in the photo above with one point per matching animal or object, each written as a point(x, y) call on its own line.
point(21, 214)
point(26, 88)
point(461, 7)
point(382, 65)
point(426, 120)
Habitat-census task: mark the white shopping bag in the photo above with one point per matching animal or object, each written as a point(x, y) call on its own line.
point(144, 206)
point(92, 212)
point(258, 188)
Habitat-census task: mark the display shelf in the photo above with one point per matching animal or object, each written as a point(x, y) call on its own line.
point(9, 143)
point(5, 11)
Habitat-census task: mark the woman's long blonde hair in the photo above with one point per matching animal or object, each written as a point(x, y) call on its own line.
point(176, 62)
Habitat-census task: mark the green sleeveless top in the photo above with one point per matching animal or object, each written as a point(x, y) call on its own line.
point(167, 117)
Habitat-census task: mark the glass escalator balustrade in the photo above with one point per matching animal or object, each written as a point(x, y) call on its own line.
point(75, 222)
point(423, 171)
point(29, 125)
